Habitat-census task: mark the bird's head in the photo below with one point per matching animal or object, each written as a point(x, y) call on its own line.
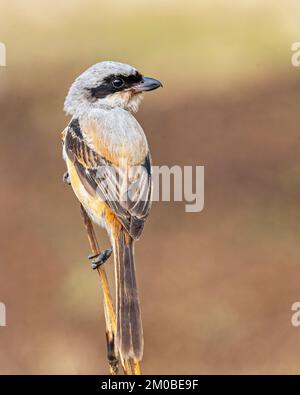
point(108, 85)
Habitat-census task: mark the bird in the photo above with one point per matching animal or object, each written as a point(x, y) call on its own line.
point(109, 168)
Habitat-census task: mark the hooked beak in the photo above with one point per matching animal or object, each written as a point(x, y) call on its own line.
point(148, 84)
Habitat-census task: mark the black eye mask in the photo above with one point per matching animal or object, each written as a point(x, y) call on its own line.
point(110, 84)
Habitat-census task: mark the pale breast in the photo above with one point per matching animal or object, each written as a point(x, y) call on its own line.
point(115, 135)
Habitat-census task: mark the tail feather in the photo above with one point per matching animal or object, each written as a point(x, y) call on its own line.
point(129, 338)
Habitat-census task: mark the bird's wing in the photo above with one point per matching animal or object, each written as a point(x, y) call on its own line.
point(126, 191)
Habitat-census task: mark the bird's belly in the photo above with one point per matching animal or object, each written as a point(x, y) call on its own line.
point(95, 207)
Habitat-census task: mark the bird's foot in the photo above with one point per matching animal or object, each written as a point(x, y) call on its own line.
point(66, 178)
point(100, 259)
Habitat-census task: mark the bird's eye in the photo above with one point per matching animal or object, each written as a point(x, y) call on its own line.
point(118, 82)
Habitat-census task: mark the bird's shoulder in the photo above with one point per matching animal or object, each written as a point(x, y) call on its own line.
point(114, 134)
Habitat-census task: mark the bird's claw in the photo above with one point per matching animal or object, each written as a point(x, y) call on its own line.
point(66, 178)
point(100, 259)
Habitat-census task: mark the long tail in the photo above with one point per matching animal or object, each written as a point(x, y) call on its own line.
point(129, 338)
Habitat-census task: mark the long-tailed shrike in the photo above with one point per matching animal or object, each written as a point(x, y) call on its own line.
point(107, 157)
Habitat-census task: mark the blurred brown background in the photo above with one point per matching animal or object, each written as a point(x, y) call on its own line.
point(216, 287)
